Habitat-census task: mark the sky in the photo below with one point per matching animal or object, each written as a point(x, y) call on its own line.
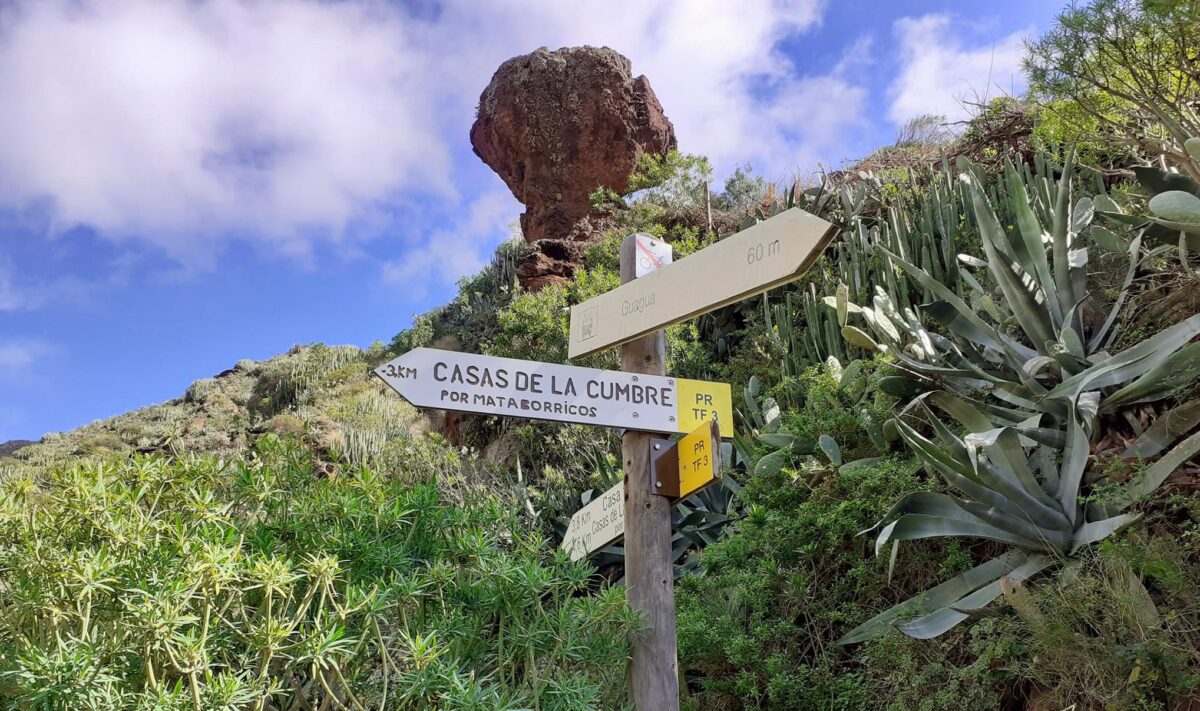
point(186, 183)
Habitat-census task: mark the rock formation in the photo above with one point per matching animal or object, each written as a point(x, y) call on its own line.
point(556, 126)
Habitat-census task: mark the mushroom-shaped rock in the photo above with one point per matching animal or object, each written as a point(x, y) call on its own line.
point(558, 125)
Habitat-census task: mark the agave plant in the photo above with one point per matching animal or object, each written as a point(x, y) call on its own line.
point(1026, 376)
point(1031, 356)
point(699, 520)
point(1174, 206)
point(1009, 489)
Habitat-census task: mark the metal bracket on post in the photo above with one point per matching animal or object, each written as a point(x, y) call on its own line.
point(664, 466)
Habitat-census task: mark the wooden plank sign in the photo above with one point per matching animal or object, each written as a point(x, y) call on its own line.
point(466, 382)
point(596, 525)
point(763, 256)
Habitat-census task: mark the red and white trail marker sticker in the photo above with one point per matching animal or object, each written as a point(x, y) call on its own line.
point(652, 254)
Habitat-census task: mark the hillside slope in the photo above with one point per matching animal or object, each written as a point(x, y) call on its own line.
point(324, 395)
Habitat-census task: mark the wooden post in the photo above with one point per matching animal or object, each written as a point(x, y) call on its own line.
point(649, 579)
point(708, 206)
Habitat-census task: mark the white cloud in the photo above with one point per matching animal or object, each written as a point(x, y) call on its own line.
point(830, 107)
point(187, 124)
point(16, 356)
point(938, 72)
point(457, 251)
point(182, 122)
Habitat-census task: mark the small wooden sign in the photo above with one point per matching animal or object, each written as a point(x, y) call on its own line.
point(689, 465)
point(758, 258)
point(596, 525)
point(466, 382)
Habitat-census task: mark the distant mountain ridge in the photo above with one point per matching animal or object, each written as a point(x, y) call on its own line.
point(12, 445)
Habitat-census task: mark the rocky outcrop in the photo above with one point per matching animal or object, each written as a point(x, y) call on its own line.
point(556, 126)
point(552, 261)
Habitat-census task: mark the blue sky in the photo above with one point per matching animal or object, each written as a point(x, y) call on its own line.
point(185, 184)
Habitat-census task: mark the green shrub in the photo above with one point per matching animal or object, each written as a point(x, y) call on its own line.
point(1120, 629)
point(534, 326)
point(823, 402)
point(977, 668)
point(1117, 71)
point(201, 584)
point(758, 625)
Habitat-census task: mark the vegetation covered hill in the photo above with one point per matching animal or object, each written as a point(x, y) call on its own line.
point(964, 472)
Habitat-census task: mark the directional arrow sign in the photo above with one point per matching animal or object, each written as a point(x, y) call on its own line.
point(447, 380)
point(596, 525)
point(763, 256)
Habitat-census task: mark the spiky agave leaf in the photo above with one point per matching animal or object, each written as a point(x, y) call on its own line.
point(1152, 478)
point(1058, 358)
point(1148, 356)
point(938, 621)
point(939, 597)
point(1167, 428)
point(1005, 485)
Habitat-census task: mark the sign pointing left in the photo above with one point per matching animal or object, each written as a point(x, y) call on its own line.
point(466, 382)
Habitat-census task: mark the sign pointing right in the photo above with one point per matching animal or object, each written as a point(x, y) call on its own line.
point(758, 258)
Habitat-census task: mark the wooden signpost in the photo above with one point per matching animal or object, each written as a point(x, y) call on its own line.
point(768, 254)
point(640, 399)
point(649, 573)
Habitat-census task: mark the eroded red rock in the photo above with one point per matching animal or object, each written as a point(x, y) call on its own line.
point(555, 126)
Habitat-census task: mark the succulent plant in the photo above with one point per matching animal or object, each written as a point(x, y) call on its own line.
point(1027, 378)
point(1030, 356)
point(1008, 489)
